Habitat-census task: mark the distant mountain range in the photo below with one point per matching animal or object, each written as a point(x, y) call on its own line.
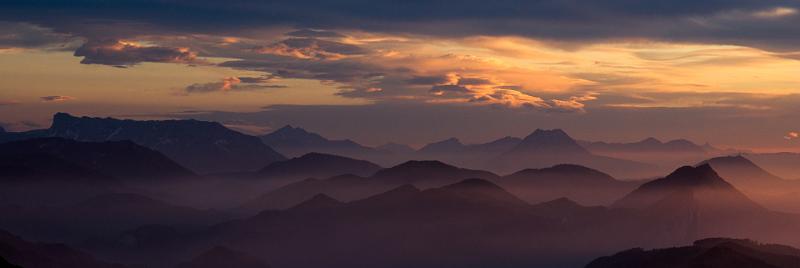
point(17, 252)
point(119, 159)
point(584, 185)
point(295, 141)
point(649, 145)
point(544, 148)
point(318, 165)
point(200, 146)
point(713, 252)
point(348, 187)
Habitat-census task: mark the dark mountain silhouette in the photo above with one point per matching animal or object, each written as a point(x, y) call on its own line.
point(649, 145)
point(428, 174)
point(698, 182)
point(448, 146)
point(198, 145)
point(761, 185)
point(223, 257)
point(295, 141)
point(710, 253)
point(585, 185)
point(318, 165)
point(783, 165)
point(20, 167)
point(26, 254)
point(343, 187)
point(548, 141)
point(495, 147)
point(119, 159)
point(350, 187)
point(695, 202)
point(740, 170)
point(101, 215)
point(544, 148)
point(454, 151)
point(319, 201)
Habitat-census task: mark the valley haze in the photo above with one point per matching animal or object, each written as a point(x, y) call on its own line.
point(389, 134)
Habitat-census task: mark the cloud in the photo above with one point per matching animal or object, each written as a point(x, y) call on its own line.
point(122, 53)
point(315, 34)
point(761, 23)
point(792, 135)
point(56, 98)
point(232, 84)
point(312, 48)
point(26, 35)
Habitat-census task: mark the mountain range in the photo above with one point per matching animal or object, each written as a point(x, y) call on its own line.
point(119, 159)
point(201, 146)
point(712, 253)
point(17, 252)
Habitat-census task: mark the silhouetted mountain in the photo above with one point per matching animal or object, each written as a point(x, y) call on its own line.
point(100, 216)
point(295, 141)
point(428, 174)
point(554, 141)
point(544, 148)
point(318, 165)
point(198, 145)
point(783, 165)
point(120, 159)
point(694, 202)
point(319, 201)
point(422, 174)
point(497, 146)
point(451, 145)
point(28, 167)
point(586, 185)
point(710, 253)
point(343, 187)
point(761, 185)
point(695, 181)
point(740, 170)
point(26, 254)
point(218, 257)
point(649, 145)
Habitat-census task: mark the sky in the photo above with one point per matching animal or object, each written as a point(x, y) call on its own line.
point(718, 71)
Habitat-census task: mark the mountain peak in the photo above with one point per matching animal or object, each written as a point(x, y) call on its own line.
point(318, 201)
point(449, 145)
point(423, 164)
point(549, 141)
point(739, 169)
point(702, 175)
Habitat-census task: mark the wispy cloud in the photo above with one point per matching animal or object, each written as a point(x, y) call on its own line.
point(56, 98)
point(233, 84)
point(792, 135)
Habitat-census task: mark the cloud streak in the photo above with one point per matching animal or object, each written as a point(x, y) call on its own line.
point(56, 98)
point(124, 54)
point(232, 84)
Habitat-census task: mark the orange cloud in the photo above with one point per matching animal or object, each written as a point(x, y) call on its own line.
point(792, 135)
point(56, 98)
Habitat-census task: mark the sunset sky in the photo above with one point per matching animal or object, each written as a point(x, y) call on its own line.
point(720, 71)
